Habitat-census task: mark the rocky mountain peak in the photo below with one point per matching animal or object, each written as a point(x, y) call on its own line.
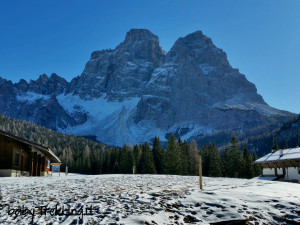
point(122, 72)
point(22, 86)
point(54, 78)
point(198, 37)
point(141, 44)
point(140, 35)
point(43, 85)
point(42, 79)
point(199, 50)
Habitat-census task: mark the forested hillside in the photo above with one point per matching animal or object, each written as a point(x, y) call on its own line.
point(80, 154)
point(179, 157)
point(287, 136)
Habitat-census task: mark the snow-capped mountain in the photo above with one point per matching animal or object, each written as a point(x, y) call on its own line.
point(137, 91)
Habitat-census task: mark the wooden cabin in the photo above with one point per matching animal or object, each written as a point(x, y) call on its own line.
point(19, 157)
point(283, 164)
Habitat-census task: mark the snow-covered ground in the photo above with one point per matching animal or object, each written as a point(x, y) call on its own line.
point(146, 199)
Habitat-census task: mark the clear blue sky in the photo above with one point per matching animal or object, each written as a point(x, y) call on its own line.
point(260, 37)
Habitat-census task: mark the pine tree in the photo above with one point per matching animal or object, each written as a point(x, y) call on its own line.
point(215, 169)
point(185, 152)
point(123, 160)
point(114, 155)
point(69, 159)
point(286, 145)
point(298, 141)
point(204, 152)
point(256, 167)
point(137, 152)
point(194, 158)
point(105, 163)
point(126, 160)
point(172, 160)
point(248, 166)
point(116, 167)
point(232, 159)
point(275, 146)
point(87, 159)
point(147, 160)
point(158, 155)
point(179, 141)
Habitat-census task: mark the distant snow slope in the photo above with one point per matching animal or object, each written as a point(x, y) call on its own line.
point(149, 199)
point(107, 119)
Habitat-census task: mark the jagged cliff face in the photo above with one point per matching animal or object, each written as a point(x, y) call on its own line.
point(123, 72)
point(137, 91)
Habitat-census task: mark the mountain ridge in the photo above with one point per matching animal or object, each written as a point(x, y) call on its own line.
point(137, 91)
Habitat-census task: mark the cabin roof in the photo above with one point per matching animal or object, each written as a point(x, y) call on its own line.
point(47, 151)
point(288, 154)
point(289, 158)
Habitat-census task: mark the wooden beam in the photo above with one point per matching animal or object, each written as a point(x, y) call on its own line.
point(292, 164)
point(200, 172)
point(284, 164)
point(43, 166)
point(39, 165)
point(34, 164)
point(30, 163)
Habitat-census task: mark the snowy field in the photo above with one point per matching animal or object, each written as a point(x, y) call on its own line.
point(146, 199)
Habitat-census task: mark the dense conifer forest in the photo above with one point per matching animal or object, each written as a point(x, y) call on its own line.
point(178, 157)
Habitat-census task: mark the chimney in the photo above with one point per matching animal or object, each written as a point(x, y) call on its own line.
point(281, 152)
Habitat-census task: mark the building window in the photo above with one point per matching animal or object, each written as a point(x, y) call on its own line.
point(17, 158)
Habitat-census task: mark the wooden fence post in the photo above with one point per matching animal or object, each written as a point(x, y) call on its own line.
point(200, 172)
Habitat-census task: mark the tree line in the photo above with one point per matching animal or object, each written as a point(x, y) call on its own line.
point(181, 158)
point(178, 157)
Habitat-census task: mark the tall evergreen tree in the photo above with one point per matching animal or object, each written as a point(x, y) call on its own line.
point(298, 141)
point(172, 160)
point(194, 158)
point(114, 155)
point(126, 160)
point(115, 168)
point(185, 152)
point(179, 141)
point(106, 156)
point(204, 152)
point(87, 159)
point(275, 145)
point(147, 160)
point(215, 168)
point(248, 163)
point(232, 159)
point(256, 167)
point(137, 152)
point(158, 155)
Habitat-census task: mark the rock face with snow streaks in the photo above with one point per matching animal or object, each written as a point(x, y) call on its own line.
point(137, 90)
point(123, 72)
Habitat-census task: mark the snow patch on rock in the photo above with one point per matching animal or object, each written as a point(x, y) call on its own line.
point(31, 97)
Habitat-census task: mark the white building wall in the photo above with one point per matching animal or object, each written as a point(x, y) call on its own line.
point(268, 172)
point(292, 174)
point(271, 172)
point(279, 171)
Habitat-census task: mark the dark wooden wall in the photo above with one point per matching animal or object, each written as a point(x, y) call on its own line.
point(6, 149)
point(9, 150)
